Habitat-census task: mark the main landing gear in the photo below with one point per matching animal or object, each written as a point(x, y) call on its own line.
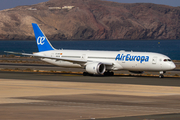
point(105, 74)
point(109, 73)
point(86, 74)
point(162, 74)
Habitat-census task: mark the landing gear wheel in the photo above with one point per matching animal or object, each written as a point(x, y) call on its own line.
point(109, 74)
point(85, 74)
point(161, 76)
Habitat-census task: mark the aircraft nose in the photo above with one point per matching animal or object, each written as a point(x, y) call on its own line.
point(173, 66)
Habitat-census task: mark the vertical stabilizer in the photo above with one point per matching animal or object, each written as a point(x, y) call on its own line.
point(42, 42)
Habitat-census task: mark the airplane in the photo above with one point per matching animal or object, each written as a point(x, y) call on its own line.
point(100, 62)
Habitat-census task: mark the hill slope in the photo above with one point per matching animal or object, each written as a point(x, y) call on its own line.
point(91, 19)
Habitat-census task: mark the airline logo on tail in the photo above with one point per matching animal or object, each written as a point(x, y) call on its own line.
point(40, 40)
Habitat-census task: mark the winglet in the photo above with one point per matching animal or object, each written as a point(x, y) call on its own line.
point(42, 41)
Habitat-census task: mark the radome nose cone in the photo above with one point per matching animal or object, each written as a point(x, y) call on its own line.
point(173, 66)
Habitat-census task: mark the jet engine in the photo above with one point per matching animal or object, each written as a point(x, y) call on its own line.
point(96, 68)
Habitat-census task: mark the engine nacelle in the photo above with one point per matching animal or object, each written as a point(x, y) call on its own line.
point(96, 68)
point(137, 72)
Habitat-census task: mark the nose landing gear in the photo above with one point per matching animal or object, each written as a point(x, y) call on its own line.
point(162, 74)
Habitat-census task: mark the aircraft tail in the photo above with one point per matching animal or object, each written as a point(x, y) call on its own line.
point(42, 41)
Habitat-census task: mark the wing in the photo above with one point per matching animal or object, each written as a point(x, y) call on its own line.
point(78, 61)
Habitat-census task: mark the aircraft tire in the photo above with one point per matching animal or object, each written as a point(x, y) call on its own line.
point(161, 76)
point(85, 74)
point(112, 73)
point(109, 74)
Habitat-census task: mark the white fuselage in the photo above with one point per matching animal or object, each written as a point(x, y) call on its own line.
point(122, 60)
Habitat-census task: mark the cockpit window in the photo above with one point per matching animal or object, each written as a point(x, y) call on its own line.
point(165, 60)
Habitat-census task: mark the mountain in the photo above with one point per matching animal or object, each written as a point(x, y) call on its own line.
point(91, 19)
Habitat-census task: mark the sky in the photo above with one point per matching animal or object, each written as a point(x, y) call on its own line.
point(5, 4)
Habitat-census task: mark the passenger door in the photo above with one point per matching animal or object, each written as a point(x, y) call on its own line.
point(84, 57)
point(154, 60)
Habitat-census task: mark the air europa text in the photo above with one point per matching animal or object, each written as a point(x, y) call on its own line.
point(129, 57)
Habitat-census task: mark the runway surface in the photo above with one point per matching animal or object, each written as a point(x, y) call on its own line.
point(48, 67)
point(117, 79)
point(44, 96)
